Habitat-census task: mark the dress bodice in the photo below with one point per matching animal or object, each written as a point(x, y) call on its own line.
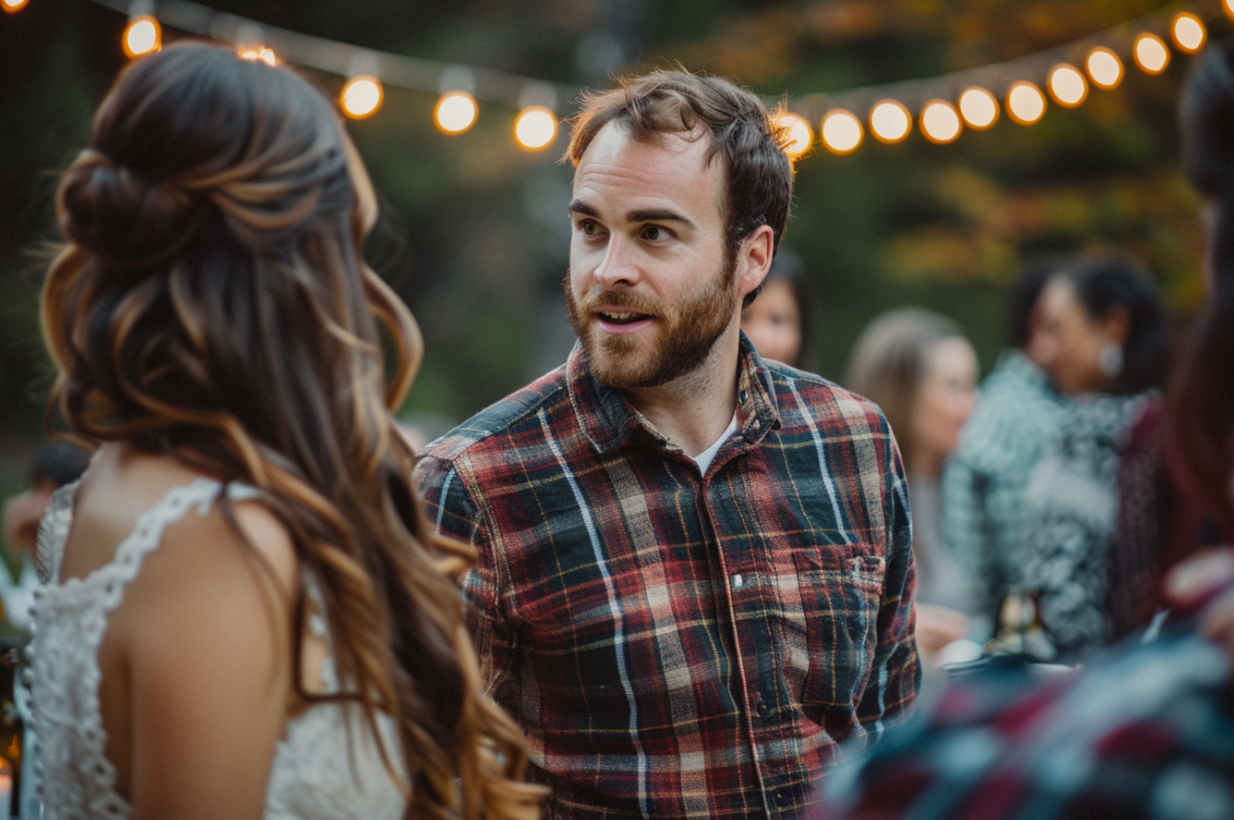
point(327, 766)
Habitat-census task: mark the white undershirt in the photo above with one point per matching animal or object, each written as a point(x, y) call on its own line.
point(703, 459)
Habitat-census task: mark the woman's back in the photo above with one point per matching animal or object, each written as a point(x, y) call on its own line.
point(156, 602)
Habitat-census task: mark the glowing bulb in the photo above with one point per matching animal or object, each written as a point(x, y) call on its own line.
point(13, 5)
point(1229, 7)
point(890, 121)
point(361, 97)
point(841, 132)
point(142, 35)
point(978, 108)
point(1151, 54)
point(1067, 85)
point(263, 54)
point(1189, 32)
point(798, 136)
point(456, 111)
point(939, 121)
point(535, 128)
point(1104, 67)
point(1025, 103)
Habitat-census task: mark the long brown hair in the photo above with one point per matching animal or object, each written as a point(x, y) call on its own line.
point(212, 304)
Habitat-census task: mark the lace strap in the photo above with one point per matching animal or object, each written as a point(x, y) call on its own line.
point(54, 530)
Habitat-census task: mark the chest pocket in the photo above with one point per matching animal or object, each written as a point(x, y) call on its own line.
point(836, 628)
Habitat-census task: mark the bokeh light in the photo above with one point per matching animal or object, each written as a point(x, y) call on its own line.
point(456, 111)
point(1188, 32)
point(142, 35)
point(841, 131)
point(1025, 103)
point(1067, 85)
point(978, 108)
point(940, 122)
point(361, 97)
point(1151, 53)
point(800, 136)
point(13, 5)
point(263, 54)
point(890, 121)
point(1104, 68)
point(1229, 7)
point(535, 128)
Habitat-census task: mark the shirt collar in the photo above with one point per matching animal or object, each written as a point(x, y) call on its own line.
point(608, 420)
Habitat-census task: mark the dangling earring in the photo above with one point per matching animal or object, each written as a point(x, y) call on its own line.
point(1111, 360)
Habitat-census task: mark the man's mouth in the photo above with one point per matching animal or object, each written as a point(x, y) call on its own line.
point(619, 316)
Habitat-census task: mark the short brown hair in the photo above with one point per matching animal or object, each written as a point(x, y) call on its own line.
point(759, 174)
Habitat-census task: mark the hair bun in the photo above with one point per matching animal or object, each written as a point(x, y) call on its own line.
point(123, 219)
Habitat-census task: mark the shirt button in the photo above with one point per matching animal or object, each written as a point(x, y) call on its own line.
point(743, 395)
point(762, 707)
point(738, 581)
point(783, 798)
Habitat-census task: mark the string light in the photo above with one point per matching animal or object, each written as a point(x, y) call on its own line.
point(263, 54)
point(361, 97)
point(456, 112)
point(1104, 67)
point(1025, 103)
point(13, 5)
point(1188, 32)
point(890, 121)
point(939, 122)
point(841, 132)
point(978, 108)
point(1067, 85)
point(535, 127)
point(799, 134)
point(142, 35)
point(1151, 54)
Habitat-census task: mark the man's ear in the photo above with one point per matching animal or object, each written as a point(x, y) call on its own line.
point(754, 259)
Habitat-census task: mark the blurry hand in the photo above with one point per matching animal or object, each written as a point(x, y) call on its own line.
point(1204, 585)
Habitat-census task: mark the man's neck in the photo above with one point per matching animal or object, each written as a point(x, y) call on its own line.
point(693, 410)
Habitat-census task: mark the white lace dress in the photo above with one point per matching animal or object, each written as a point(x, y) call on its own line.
point(326, 767)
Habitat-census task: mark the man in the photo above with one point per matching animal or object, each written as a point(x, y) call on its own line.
point(694, 578)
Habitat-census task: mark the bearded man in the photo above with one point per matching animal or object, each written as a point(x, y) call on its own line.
point(694, 578)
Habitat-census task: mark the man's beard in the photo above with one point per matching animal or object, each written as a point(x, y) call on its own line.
point(685, 336)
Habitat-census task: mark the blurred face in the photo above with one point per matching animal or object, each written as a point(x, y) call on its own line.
point(773, 323)
point(944, 401)
point(650, 289)
point(1071, 340)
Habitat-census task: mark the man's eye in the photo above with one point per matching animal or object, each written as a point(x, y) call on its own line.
point(589, 228)
point(654, 233)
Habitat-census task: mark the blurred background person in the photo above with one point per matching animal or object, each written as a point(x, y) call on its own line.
point(1143, 732)
point(985, 479)
point(921, 370)
point(56, 463)
point(1105, 345)
point(779, 321)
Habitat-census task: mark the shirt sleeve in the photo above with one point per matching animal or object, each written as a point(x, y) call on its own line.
point(449, 505)
point(966, 529)
point(896, 674)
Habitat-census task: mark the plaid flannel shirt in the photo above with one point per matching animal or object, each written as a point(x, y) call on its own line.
point(1143, 733)
point(676, 644)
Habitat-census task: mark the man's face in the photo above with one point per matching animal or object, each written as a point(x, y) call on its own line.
point(651, 285)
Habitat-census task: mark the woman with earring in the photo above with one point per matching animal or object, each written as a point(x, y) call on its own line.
point(1104, 345)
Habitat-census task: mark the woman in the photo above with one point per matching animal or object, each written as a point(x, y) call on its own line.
point(1104, 343)
point(247, 612)
point(778, 320)
point(918, 367)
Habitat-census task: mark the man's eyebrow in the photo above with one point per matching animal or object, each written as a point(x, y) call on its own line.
point(578, 206)
point(659, 215)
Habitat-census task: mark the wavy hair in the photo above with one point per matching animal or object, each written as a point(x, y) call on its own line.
point(212, 304)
